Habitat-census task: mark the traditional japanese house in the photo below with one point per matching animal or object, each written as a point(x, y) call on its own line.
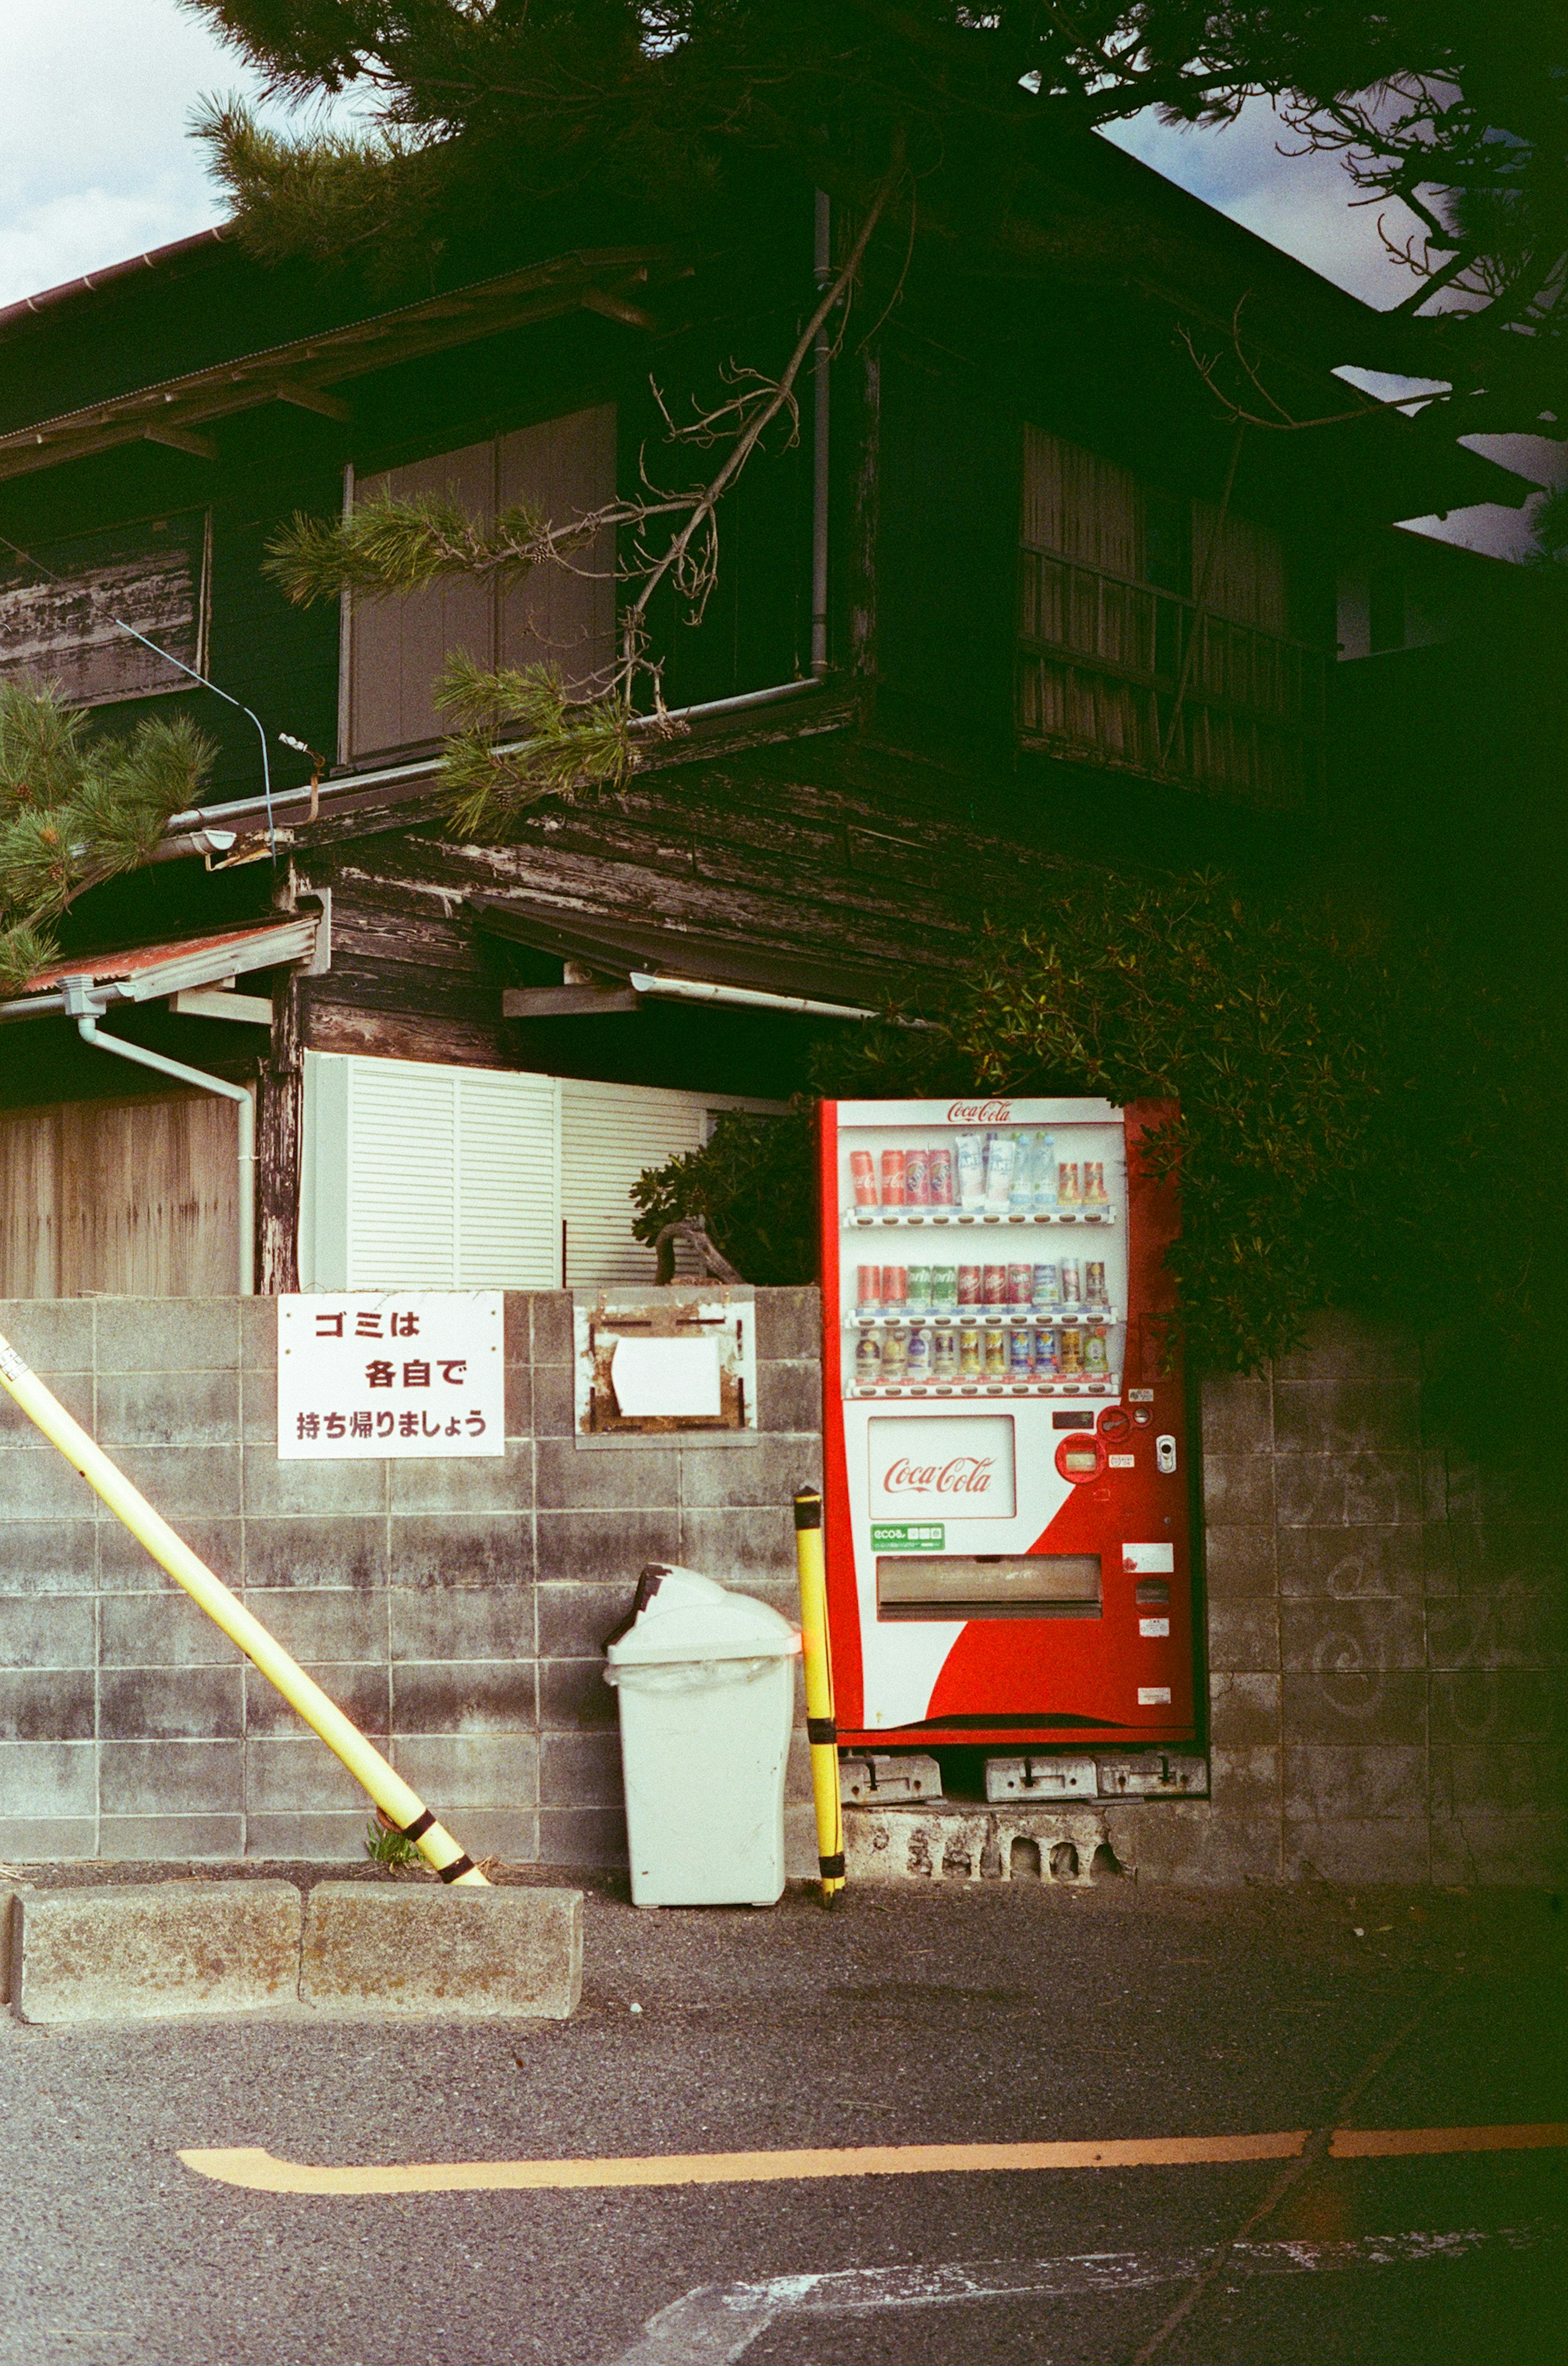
point(1018, 597)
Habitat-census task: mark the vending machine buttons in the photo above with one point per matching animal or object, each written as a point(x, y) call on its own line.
point(1165, 1457)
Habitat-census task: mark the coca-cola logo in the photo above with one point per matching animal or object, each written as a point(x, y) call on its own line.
point(980, 1113)
point(966, 1474)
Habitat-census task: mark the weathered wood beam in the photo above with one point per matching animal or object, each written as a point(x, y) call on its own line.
point(567, 1001)
point(312, 397)
point(612, 307)
point(181, 439)
point(278, 1138)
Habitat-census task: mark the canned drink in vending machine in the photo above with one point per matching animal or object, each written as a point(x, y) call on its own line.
point(942, 1176)
point(868, 1289)
point(919, 1362)
point(1021, 1193)
point(1071, 1283)
point(1096, 1360)
point(1068, 1194)
point(969, 1154)
point(892, 1179)
point(1020, 1285)
point(1095, 1283)
point(895, 1355)
point(1047, 1354)
point(1044, 1171)
point(995, 1356)
point(993, 1284)
point(917, 1179)
point(1072, 1354)
point(863, 1178)
point(971, 1286)
point(1020, 1357)
point(945, 1356)
point(868, 1360)
point(919, 1290)
point(1095, 1194)
point(895, 1289)
point(1046, 1286)
point(969, 1354)
point(1001, 1156)
point(943, 1288)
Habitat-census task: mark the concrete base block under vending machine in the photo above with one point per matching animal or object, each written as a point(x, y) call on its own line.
point(1053, 1778)
point(961, 1843)
point(1153, 1775)
point(878, 1779)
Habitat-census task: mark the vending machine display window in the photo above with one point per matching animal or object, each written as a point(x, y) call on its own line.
point(1004, 1418)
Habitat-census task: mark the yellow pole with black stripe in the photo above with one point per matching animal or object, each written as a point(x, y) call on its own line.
point(821, 1729)
point(401, 1807)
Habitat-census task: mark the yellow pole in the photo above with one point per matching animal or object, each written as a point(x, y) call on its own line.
point(402, 1807)
point(820, 1726)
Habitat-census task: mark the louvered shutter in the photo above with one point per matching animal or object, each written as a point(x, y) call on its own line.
point(419, 1175)
point(509, 1181)
point(609, 1134)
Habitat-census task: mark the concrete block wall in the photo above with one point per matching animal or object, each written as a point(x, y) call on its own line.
point(1388, 1637)
point(456, 1610)
point(1387, 1653)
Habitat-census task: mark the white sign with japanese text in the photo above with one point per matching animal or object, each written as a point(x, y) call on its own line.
point(366, 1374)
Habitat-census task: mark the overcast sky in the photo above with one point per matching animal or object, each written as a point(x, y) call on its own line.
point(95, 165)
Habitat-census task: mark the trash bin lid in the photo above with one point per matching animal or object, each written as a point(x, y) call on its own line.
point(687, 1617)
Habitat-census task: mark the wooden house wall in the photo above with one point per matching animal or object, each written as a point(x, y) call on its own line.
point(134, 1198)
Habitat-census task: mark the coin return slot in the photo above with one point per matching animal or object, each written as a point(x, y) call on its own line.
point(1153, 1589)
point(979, 1586)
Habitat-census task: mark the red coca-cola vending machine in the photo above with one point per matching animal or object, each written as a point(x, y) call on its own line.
point(1007, 1514)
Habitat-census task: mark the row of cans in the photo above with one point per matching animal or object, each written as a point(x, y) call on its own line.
point(1014, 1173)
point(901, 1357)
point(949, 1289)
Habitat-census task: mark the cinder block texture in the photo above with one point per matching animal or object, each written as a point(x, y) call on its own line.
point(406, 1948)
point(151, 1949)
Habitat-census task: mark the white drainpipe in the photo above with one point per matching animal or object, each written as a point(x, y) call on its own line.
point(85, 1008)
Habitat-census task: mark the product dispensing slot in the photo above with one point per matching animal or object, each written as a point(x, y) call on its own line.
point(982, 1585)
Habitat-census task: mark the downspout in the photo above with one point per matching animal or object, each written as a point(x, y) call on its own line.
point(81, 1006)
point(820, 382)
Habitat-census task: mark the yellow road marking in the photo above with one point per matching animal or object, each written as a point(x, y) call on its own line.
point(1529, 2136)
point(263, 2173)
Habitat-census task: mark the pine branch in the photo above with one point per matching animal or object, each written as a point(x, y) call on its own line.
point(518, 739)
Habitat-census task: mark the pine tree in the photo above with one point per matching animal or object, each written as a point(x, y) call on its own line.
point(75, 807)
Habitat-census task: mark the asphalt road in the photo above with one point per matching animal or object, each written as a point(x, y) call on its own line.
point(947, 2016)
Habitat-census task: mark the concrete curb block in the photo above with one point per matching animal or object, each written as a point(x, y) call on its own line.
point(145, 1950)
point(141, 1950)
point(496, 1953)
point(8, 1918)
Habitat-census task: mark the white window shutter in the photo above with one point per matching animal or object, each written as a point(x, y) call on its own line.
point(402, 1176)
point(509, 1181)
point(609, 1134)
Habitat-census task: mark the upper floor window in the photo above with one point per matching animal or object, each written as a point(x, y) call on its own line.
point(1155, 633)
point(58, 616)
point(564, 615)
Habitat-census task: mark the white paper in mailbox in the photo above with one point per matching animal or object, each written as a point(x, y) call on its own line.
point(666, 1376)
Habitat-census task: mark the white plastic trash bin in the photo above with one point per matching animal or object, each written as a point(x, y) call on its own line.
point(706, 1680)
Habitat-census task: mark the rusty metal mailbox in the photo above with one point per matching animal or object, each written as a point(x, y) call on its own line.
point(654, 1363)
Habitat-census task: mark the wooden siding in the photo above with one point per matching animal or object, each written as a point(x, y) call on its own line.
point(57, 618)
point(135, 1199)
